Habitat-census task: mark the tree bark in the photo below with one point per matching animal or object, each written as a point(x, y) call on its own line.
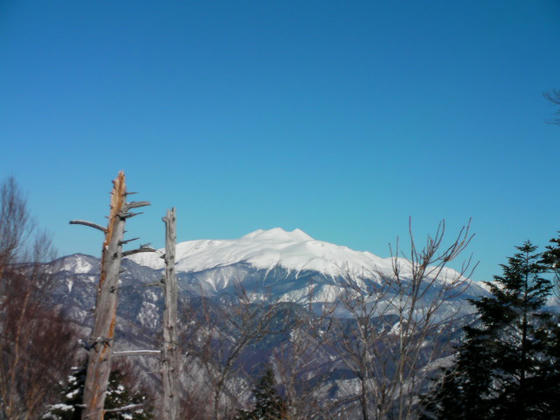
point(169, 353)
point(101, 340)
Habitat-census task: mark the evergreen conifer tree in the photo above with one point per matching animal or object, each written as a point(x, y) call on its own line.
point(508, 364)
point(551, 257)
point(268, 404)
point(118, 396)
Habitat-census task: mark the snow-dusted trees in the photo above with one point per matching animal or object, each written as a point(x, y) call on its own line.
point(399, 325)
point(124, 400)
point(35, 340)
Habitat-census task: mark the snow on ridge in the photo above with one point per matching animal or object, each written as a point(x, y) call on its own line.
point(265, 249)
point(76, 263)
point(294, 251)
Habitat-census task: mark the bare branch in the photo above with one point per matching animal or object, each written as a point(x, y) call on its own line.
point(128, 215)
point(127, 241)
point(90, 224)
point(137, 251)
point(136, 204)
point(125, 408)
point(390, 343)
point(127, 353)
point(36, 342)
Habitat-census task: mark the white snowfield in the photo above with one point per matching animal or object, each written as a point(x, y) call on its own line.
point(76, 265)
point(293, 251)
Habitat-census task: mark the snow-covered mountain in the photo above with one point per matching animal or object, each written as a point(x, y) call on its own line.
point(280, 264)
point(270, 266)
point(264, 249)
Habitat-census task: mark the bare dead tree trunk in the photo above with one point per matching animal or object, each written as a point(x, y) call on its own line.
point(169, 353)
point(99, 360)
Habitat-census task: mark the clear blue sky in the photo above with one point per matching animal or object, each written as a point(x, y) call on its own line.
point(339, 118)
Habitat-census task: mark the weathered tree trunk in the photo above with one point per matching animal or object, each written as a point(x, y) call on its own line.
point(99, 361)
point(101, 341)
point(169, 353)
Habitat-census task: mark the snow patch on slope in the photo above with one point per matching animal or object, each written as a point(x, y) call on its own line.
point(76, 264)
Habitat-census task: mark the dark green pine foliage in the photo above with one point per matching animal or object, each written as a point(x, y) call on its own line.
point(268, 404)
point(507, 367)
point(551, 257)
point(117, 396)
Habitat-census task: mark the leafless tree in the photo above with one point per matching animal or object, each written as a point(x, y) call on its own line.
point(214, 340)
point(36, 343)
point(385, 343)
point(15, 224)
point(302, 364)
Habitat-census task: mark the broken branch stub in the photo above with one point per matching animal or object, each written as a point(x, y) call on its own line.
point(136, 204)
point(90, 224)
point(138, 250)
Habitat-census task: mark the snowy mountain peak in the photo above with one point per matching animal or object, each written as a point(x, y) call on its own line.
point(291, 263)
point(264, 249)
point(76, 263)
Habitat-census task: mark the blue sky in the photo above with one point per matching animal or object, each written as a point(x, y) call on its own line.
point(339, 118)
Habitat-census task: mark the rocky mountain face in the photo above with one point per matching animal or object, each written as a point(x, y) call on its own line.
point(269, 266)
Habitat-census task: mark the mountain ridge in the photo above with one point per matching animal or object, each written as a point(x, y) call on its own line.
point(294, 250)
